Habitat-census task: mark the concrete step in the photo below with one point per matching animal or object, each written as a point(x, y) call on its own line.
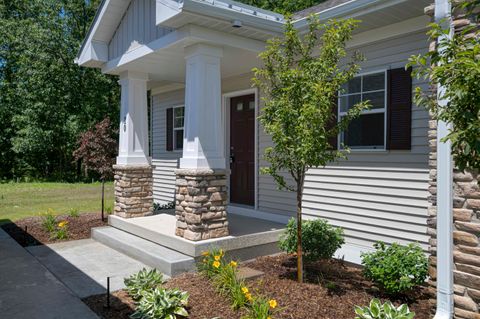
point(168, 261)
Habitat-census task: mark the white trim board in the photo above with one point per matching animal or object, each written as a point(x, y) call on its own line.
point(226, 125)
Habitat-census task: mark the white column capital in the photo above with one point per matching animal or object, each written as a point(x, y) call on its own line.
point(203, 49)
point(133, 75)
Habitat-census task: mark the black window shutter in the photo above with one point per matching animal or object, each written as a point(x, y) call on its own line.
point(169, 129)
point(333, 139)
point(399, 109)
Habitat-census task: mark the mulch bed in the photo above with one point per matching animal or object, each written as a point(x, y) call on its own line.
point(331, 290)
point(78, 228)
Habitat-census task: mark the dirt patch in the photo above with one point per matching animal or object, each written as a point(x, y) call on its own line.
point(331, 290)
point(34, 234)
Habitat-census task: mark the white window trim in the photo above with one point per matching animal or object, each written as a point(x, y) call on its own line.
point(175, 149)
point(371, 111)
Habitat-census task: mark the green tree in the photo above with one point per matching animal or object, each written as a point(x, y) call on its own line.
point(300, 90)
point(282, 6)
point(46, 100)
point(455, 65)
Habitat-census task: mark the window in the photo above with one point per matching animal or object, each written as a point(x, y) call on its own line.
point(368, 130)
point(178, 120)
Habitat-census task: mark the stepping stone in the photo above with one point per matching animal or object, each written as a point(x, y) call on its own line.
point(247, 273)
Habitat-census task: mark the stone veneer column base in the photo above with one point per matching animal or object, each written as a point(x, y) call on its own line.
point(201, 201)
point(133, 190)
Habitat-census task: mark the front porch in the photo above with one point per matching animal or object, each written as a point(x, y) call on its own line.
point(152, 240)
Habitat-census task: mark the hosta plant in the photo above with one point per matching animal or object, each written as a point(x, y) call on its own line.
point(162, 303)
point(143, 281)
point(386, 311)
point(396, 268)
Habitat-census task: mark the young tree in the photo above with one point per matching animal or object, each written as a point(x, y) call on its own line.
point(300, 88)
point(455, 64)
point(97, 151)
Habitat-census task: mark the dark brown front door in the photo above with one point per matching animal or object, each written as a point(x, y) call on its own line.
point(242, 148)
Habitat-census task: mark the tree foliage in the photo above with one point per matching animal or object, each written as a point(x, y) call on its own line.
point(97, 149)
point(282, 6)
point(455, 65)
point(300, 87)
point(46, 100)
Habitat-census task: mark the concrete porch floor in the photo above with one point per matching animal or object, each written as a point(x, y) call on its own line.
point(246, 233)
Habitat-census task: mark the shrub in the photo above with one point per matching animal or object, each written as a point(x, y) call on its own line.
point(396, 268)
point(386, 311)
point(143, 281)
point(161, 303)
point(73, 212)
point(49, 221)
point(320, 240)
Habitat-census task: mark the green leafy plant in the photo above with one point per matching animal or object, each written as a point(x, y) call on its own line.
point(396, 268)
point(162, 303)
point(320, 240)
point(143, 281)
point(300, 81)
point(61, 230)
point(73, 212)
point(49, 221)
point(109, 210)
point(454, 64)
point(261, 308)
point(386, 311)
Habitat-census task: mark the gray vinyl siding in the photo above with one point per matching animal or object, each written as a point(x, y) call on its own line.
point(374, 195)
point(137, 27)
point(163, 162)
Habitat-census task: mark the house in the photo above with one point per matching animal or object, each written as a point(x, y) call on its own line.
point(189, 131)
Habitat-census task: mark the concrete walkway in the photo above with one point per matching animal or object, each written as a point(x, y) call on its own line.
point(28, 290)
point(83, 265)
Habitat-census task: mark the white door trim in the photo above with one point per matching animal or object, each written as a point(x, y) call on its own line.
point(226, 124)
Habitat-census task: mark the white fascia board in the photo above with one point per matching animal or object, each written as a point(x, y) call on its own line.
point(89, 52)
point(168, 10)
point(349, 9)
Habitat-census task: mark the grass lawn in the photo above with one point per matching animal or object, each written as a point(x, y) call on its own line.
point(19, 200)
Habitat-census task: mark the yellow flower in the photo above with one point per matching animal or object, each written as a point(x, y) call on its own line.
point(205, 253)
point(269, 317)
point(62, 223)
point(272, 303)
point(217, 258)
point(248, 296)
point(216, 264)
point(233, 263)
point(204, 260)
point(244, 290)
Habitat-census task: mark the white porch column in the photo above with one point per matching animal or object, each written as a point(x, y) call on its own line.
point(133, 145)
point(133, 173)
point(204, 141)
point(201, 181)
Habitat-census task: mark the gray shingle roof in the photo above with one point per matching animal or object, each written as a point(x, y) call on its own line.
point(318, 8)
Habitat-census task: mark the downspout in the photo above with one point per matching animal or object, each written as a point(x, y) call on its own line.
point(445, 302)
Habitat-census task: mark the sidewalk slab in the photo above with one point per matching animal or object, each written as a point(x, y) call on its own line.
point(28, 290)
point(83, 265)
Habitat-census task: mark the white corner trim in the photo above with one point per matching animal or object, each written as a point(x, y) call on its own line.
point(445, 303)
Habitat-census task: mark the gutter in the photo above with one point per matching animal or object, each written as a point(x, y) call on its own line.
point(445, 304)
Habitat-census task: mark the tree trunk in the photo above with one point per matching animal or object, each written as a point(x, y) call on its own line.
point(299, 232)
